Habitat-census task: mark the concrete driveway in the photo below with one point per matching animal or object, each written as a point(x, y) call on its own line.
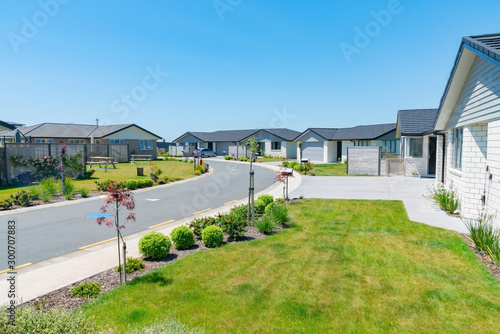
point(407, 189)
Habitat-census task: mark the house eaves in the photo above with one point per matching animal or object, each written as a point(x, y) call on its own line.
point(486, 46)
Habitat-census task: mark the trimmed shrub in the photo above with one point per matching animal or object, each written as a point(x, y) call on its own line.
point(21, 198)
point(242, 158)
point(86, 290)
point(44, 321)
point(145, 183)
point(182, 237)
point(269, 207)
point(268, 199)
point(155, 245)
point(132, 184)
point(260, 206)
point(280, 200)
point(212, 236)
point(132, 265)
point(227, 157)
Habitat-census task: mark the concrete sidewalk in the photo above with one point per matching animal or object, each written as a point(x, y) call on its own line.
point(407, 189)
point(46, 276)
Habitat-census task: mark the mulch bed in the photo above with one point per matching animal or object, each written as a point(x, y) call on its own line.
point(110, 279)
point(493, 268)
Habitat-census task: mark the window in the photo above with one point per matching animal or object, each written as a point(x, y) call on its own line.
point(76, 141)
point(146, 144)
point(415, 147)
point(456, 153)
point(276, 145)
point(44, 140)
point(117, 141)
point(364, 143)
point(388, 146)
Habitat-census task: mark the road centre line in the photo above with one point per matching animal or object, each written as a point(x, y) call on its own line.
point(22, 265)
point(201, 211)
point(167, 222)
point(97, 243)
point(231, 202)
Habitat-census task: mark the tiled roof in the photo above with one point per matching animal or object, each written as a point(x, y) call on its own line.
point(487, 44)
point(360, 132)
point(61, 130)
point(416, 122)
point(239, 135)
point(7, 125)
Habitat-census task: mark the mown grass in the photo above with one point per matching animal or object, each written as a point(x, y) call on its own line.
point(330, 169)
point(123, 172)
point(345, 266)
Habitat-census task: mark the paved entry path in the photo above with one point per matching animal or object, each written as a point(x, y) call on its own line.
point(407, 189)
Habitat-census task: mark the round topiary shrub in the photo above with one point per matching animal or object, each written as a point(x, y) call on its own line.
point(155, 245)
point(269, 207)
point(131, 184)
point(147, 183)
point(212, 236)
point(182, 237)
point(268, 199)
point(260, 206)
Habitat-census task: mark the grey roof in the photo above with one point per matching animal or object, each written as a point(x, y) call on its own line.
point(236, 136)
point(487, 44)
point(416, 122)
point(7, 125)
point(360, 132)
point(62, 130)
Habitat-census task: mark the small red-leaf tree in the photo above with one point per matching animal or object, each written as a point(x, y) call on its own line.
point(282, 176)
point(118, 198)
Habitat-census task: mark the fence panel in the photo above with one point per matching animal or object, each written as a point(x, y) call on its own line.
point(363, 160)
point(9, 170)
point(237, 151)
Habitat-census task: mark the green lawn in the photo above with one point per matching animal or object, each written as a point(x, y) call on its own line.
point(123, 172)
point(346, 266)
point(330, 169)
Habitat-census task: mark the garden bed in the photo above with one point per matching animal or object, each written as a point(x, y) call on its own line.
point(110, 279)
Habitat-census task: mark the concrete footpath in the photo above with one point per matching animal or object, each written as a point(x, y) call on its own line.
point(46, 276)
point(407, 189)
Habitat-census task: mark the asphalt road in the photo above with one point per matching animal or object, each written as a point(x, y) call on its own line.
point(47, 232)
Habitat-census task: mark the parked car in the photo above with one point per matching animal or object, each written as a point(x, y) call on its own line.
point(204, 153)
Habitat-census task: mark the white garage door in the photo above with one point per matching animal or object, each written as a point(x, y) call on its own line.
point(312, 151)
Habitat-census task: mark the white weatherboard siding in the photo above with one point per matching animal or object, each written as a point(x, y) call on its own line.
point(479, 99)
point(131, 133)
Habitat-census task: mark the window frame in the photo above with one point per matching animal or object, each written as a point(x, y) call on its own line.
point(145, 144)
point(409, 148)
point(391, 150)
point(276, 146)
point(457, 139)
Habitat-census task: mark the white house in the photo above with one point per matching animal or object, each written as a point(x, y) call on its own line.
point(415, 128)
point(468, 124)
point(275, 142)
point(326, 145)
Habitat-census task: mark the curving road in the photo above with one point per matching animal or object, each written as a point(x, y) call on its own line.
point(49, 231)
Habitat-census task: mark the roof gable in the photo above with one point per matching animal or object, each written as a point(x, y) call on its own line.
point(415, 122)
point(485, 46)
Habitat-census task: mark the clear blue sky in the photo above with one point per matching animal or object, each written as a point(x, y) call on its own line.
point(229, 64)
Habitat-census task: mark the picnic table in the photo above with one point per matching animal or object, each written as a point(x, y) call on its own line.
point(106, 161)
point(145, 157)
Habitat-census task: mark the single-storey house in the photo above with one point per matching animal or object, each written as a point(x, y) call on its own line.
point(415, 129)
point(275, 142)
point(468, 124)
point(326, 145)
point(138, 139)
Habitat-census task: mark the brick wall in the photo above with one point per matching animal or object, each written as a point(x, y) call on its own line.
point(470, 180)
point(418, 165)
